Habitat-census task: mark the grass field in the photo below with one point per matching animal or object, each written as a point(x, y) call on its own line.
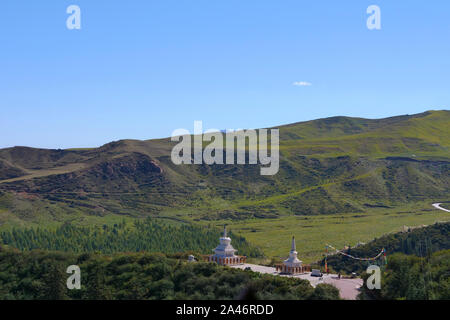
point(273, 236)
point(312, 233)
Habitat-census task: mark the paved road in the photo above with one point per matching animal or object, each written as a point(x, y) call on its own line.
point(438, 206)
point(348, 288)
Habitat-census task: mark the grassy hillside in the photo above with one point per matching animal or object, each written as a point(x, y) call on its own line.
point(334, 166)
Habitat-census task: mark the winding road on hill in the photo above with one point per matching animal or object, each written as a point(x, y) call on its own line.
point(438, 206)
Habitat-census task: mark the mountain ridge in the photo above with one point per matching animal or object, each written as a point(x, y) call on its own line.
point(329, 165)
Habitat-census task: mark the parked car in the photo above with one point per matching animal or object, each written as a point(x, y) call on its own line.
point(316, 273)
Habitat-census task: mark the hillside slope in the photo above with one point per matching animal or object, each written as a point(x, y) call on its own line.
point(332, 165)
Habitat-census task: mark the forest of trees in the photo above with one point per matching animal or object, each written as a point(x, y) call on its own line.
point(409, 277)
point(123, 262)
point(143, 235)
point(417, 268)
point(40, 274)
point(420, 242)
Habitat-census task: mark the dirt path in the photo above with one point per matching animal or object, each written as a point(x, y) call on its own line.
point(47, 172)
point(438, 206)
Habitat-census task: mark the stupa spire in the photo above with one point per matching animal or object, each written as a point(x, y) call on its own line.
point(224, 253)
point(292, 265)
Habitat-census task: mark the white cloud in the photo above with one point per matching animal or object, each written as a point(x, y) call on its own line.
point(302, 84)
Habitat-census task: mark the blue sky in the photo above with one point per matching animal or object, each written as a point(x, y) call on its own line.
point(140, 69)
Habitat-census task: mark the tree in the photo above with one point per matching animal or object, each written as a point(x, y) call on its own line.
point(325, 291)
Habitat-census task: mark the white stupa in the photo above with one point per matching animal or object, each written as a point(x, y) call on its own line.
point(292, 261)
point(292, 265)
point(224, 253)
point(225, 249)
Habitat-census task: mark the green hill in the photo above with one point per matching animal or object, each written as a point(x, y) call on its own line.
point(331, 166)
